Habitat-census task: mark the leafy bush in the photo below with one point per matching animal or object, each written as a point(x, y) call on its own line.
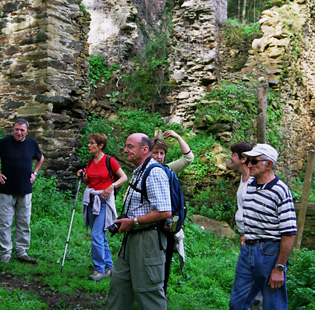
point(147, 82)
point(297, 186)
point(301, 280)
point(117, 130)
point(274, 136)
point(100, 70)
point(240, 32)
point(203, 165)
point(218, 201)
point(232, 104)
point(45, 196)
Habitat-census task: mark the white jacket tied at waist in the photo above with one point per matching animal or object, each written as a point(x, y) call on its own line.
point(110, 210)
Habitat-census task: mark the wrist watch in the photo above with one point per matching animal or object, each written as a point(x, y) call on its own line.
point(35, 173)
point(279, 267)
point(136, 222)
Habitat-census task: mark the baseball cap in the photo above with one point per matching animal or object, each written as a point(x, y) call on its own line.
point(262, 149)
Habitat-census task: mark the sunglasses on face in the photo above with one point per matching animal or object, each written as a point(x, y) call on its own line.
point(255, 161)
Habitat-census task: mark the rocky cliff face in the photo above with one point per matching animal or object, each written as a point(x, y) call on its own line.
point(43, 53)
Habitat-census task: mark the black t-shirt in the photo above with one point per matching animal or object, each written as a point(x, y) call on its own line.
point(16, 163)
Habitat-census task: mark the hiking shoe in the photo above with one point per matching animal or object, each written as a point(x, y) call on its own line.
point(5, 259)
point(108, 272)
point(97, 276)
point(27, 259)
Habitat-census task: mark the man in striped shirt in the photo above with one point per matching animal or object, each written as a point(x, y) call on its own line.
point(270, 230)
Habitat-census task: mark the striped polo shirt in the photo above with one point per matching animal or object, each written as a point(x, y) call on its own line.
point(269, 211)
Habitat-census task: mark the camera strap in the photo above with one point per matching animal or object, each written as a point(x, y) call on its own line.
point(133, 185)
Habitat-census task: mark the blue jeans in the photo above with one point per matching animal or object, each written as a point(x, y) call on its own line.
point(252, 274)
point(101, 255)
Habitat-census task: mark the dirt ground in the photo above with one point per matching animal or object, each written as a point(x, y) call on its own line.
point(79, 300)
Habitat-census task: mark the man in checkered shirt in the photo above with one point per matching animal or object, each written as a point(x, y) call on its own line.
point(139, 270)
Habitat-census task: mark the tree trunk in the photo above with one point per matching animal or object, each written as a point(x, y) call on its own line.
point(244, 12)
point(239, 10)
point(262, 111)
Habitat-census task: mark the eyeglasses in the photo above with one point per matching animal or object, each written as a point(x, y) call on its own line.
point(255, 161)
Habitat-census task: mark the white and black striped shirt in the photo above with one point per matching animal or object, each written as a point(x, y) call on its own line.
point(269, 211)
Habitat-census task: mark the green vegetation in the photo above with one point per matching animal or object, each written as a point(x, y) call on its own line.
point(19, 300)
point(100, 71)
point(248, 10)
point(301, 281)
point(113, 96)
point(205, 283)
point(118, 129)
point(297, 186)
point(233, 107)
point(229, 104)
point(147, 81)
point(237, 33)
point(215, 203)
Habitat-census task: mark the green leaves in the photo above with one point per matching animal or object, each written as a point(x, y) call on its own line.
point(100, 70)
point(229, 103)
point(117, 130)
point(301, 280)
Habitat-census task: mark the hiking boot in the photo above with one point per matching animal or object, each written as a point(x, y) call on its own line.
point(5, 259)
point(26, 259)
point(97, 276)
point(108, 272)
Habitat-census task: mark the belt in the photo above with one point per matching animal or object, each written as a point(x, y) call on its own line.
point(255, 241)
point(140, 230)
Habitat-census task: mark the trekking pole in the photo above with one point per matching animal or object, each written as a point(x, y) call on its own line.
point(73, 211)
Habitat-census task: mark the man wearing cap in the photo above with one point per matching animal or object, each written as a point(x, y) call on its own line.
point(270, 230)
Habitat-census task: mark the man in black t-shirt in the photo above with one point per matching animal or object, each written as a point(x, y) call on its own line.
point(17, 153)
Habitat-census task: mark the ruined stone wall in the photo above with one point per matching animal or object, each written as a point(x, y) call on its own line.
point(284, 57)
point(119, 30)
point(43, 53)
point(194, 62)
point(119, 27)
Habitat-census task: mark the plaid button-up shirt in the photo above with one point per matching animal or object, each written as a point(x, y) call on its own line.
point(158, 190)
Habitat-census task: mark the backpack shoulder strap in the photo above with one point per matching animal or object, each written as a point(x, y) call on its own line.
point(144, 179)
point(109, 167)
point(89, 162)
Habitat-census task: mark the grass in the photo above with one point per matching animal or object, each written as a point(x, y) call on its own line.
point(18, 300)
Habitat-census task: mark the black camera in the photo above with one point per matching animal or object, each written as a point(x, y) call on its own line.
point(113, 229)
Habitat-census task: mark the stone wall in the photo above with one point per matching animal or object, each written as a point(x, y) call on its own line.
point(118, 28)
point(284, 57)
point(44, 53)
point(195, 60)
point(43, 77)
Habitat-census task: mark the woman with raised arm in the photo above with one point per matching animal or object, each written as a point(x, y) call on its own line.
point(159, 151)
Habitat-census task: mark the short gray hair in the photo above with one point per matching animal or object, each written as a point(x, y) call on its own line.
point(264, 157)
point(22, 121)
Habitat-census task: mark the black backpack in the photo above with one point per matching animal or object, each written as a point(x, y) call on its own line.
point(173, 224)
point(113, 176)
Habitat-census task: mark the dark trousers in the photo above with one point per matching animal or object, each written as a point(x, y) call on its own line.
point(169, 255)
